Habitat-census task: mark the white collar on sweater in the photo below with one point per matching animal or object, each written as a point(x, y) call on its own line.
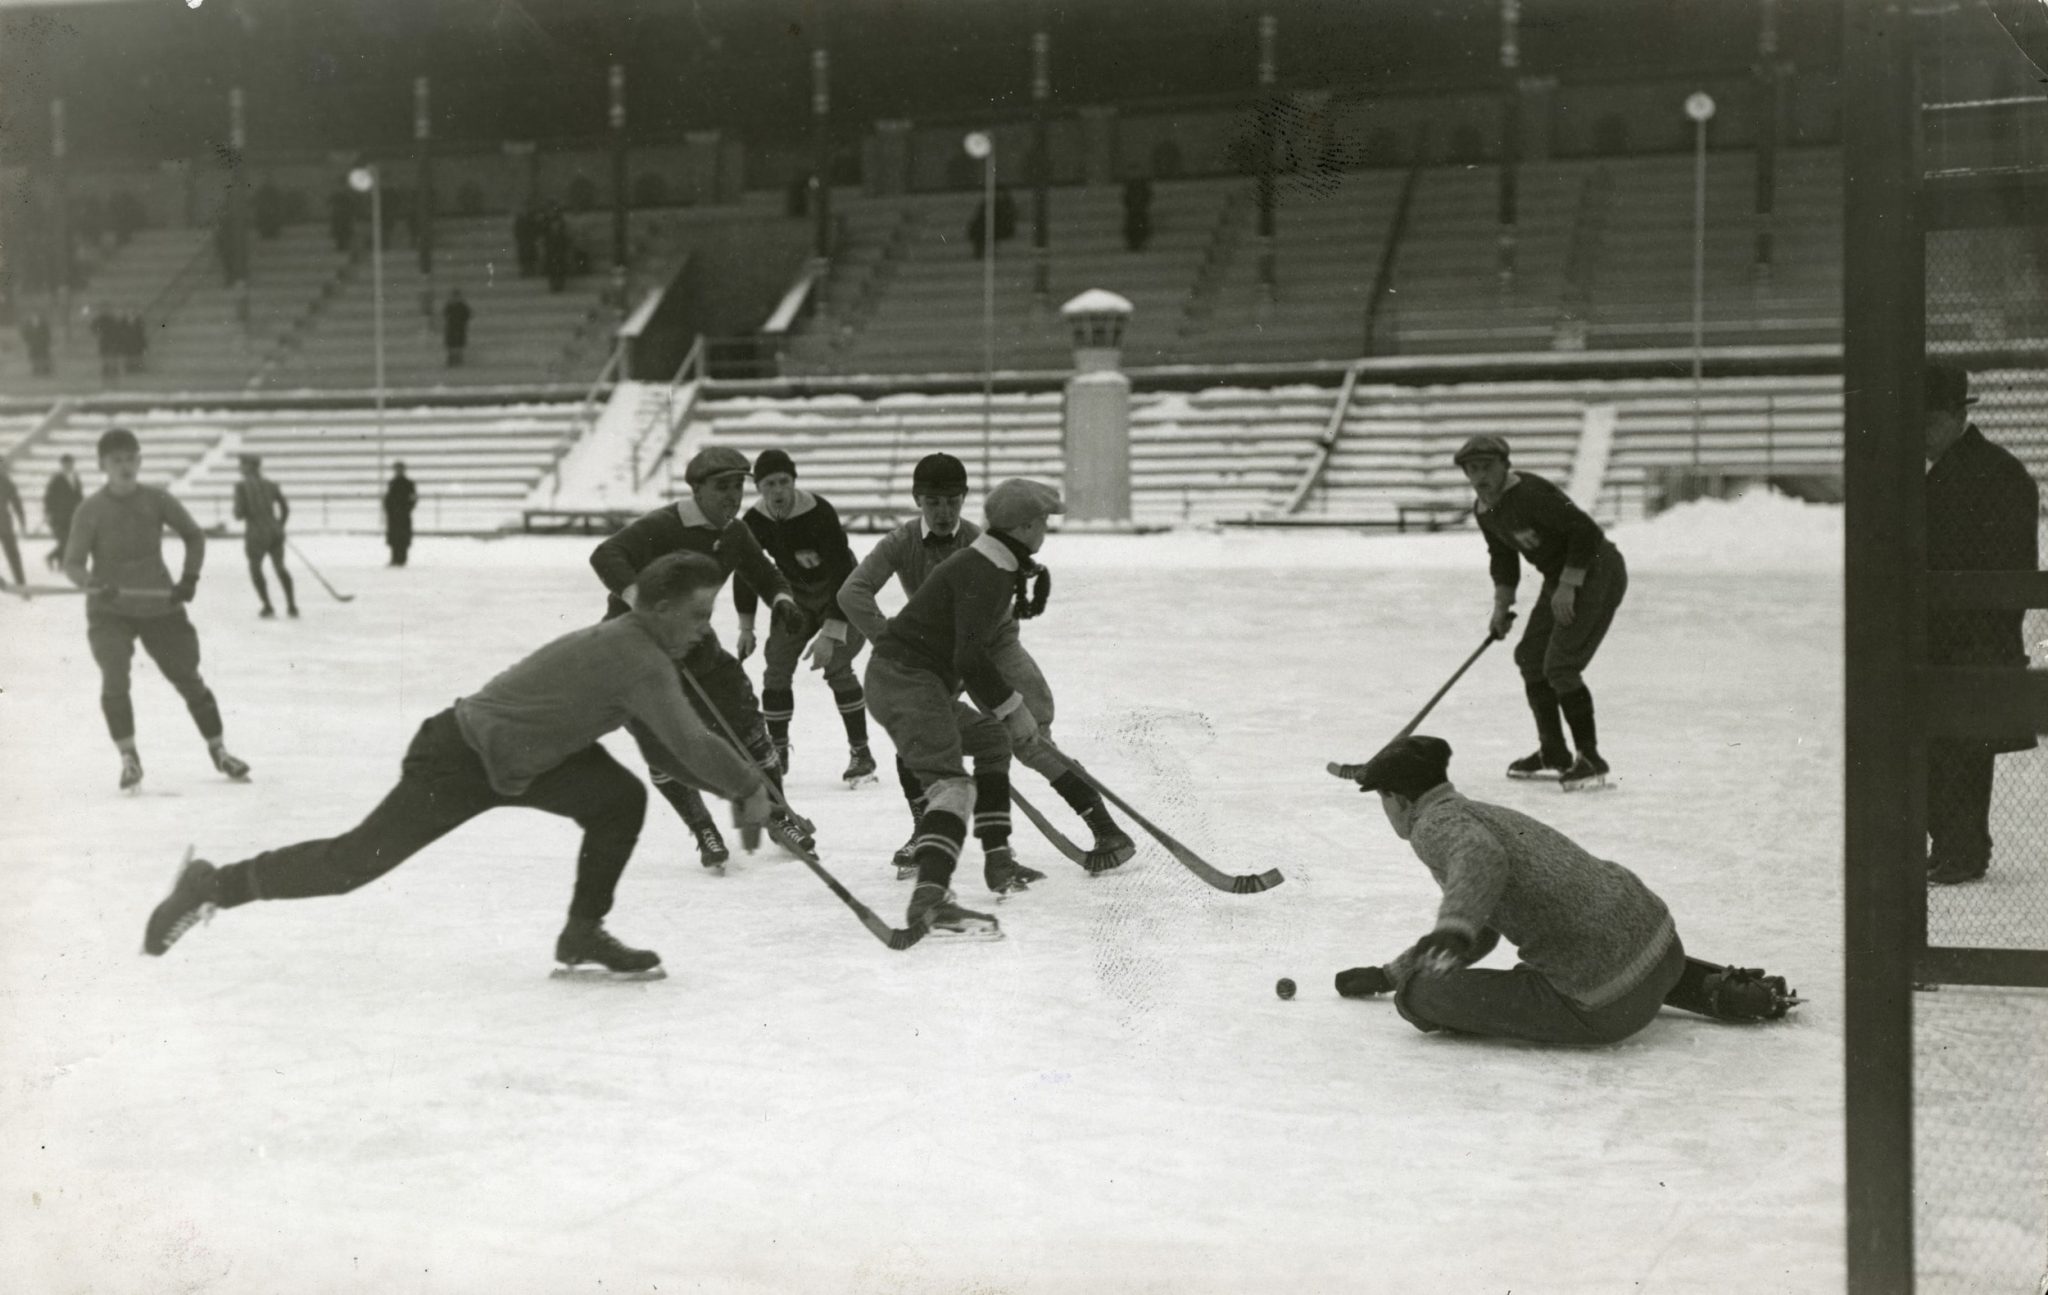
point(691, 515)
point(995, 551)
point(804, 502)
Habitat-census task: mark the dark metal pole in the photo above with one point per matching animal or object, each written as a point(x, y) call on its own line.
point(1768, 92)
point(1510, 134)
point(1883, 348)
point(821, 143)
point(1269, 142)
point(617, 118)
point(57, 258)
point(1041, 162)
point(423, 192)
point(237, 243)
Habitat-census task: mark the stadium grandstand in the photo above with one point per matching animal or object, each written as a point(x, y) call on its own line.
point(1335, 267)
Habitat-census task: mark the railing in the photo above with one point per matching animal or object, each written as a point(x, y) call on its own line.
point(689, 373)
point(172, 295)
point(48, 423)
point(586, 417)
point(1383, 274)
point(1333, 431)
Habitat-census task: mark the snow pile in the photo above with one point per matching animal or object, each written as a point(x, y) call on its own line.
point(1760, 530)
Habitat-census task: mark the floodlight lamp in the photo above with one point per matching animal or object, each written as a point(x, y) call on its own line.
point(1699, 105)
point(979, 145)
point(363, 179)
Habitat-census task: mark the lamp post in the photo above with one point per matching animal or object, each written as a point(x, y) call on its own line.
point(365, 179)
point(982, 148)
point(1700, 107)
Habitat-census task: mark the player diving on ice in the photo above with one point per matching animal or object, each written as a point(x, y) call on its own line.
point(527, 739)
point(1599, 952)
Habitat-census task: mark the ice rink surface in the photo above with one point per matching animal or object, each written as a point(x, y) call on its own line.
point(385, 1091)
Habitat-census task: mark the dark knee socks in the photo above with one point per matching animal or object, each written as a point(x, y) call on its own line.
point(853, 712)
point(939, 834)
point(1578, 712)
point(778, 706)
point(992, 807)
point(685, 800)
point(1543, 704)
point(1085, 800)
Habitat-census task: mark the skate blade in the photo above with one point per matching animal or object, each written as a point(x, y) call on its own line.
point(976, 934)
point(714, 870)
point(906, 874)
point(591, 971)
point(1598, 782)
point(1547, 775)
point(865, 780)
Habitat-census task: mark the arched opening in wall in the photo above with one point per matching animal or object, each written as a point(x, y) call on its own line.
point(582, 193)
point(1610, 135)
point(650, 189)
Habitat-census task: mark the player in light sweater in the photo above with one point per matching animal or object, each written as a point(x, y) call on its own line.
point(528, 738)
point(910, 553)
point(1599, 953)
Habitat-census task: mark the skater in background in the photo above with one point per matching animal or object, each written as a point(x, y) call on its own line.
point(262, 508)
point(11, 514)
point(931, 650)
point(61, 498)
point(707, 522)
point(400, 497)
point(528, 738)
point(801, 532)
point(115, 553)
point(910, 553)
point(1584, 579)
point(1983, 514)
point(1599, 953)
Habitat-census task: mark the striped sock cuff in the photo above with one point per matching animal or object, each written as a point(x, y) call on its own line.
point(852, 701)
point(939, 835)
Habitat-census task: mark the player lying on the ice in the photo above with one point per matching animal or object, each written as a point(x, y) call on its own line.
point(528, 738)
point(1599, 952)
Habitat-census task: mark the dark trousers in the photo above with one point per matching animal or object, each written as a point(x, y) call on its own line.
point(719, 674)
point(1959, 804)
point(1523, 1004)
point(13, 552)
point(443, 785)
point(274, 550)
point(171, 642)
point(1559, 654)
point(399, 540)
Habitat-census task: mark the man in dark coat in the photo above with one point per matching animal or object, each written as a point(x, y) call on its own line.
point(1983, 514)
point(61, 499)
point(399, 500)
point(455, 327)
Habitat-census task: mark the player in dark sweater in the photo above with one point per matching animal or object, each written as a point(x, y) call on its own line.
point(264, 511)
point(1584, 579)
point(708, 523)
point(115, 553)
point(528, 738)
point(936, 646)
point(802, 533)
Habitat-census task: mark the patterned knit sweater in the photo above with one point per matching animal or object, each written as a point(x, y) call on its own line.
point(1590, 927)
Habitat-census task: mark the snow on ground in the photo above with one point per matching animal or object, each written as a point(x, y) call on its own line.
point(384, 1091)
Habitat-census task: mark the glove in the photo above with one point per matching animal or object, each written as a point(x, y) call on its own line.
point(744, 648)
point(754, 809)
point(1564, 602)
point(1440, 951)
point(788, 615)
point(1503, 621)
point(1021, 725)
point(186, 589)
point(1364, 982)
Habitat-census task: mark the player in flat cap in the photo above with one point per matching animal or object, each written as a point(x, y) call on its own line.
point(801, 531)
point(707, 522)
point(1598, 951)
point(263, 510)
point(1584, 579)
point(910, 553)
point(928, 652)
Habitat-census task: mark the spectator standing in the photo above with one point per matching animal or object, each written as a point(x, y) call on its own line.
point(455, 327)
point(1137, 213)
point(60, 504)
point(400, 497)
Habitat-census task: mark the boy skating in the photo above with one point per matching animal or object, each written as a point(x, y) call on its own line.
point(263, 510)
point(115, 553)
point(932, 649)
point(802, 533)
point(910, 553)
point(528, 738)
point(1584, 579)
point(1599, 953)
point(707, 522)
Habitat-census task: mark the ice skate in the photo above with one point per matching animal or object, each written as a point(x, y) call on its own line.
point(131, 771)
point(1541, 764)
point(860, 768)
point(1588, 773)
point(1747, 994)
point(1006, 876)
point(190, 902)
point(906, 858)
point(1951, 873)
point(236, 770)
point(711, 849)
point(586, 951)
point(932, 909)
point(1113, 846)
point(791, 832)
